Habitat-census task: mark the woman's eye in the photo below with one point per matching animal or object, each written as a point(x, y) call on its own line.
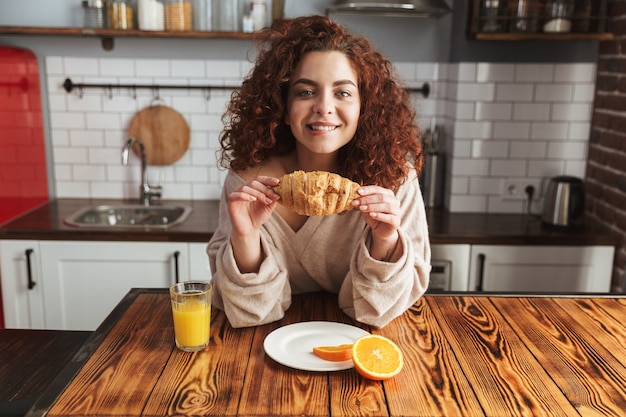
point(344, 93)
point(304, 93)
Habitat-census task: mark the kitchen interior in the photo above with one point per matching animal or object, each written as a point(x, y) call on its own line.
point(519, 103)
point(508, 128)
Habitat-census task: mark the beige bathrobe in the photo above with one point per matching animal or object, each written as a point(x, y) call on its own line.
point(329, 253)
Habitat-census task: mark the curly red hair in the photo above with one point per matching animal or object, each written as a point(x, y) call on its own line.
point(386, 144)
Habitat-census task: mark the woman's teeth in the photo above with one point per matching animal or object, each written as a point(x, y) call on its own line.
point(325, 128)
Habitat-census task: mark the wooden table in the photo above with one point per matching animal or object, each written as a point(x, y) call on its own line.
point(465, 355)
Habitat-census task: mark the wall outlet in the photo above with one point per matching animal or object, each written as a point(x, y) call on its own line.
point(516, 189)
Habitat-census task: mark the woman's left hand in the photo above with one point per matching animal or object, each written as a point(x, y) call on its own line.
point(381, 211)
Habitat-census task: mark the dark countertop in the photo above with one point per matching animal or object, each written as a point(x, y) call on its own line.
point(30, 361)
point(46, 223)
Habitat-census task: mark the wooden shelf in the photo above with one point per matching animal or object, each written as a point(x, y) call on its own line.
point(116, 33)
point(481, 36)
point(594, 21)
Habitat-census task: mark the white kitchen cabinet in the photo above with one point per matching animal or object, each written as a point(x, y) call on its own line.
point(22, 286)
point(78, 283)
point(199, 268)
point(450, 267)
point(537, 269)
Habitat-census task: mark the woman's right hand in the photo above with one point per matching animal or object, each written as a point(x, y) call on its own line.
point(251, 204)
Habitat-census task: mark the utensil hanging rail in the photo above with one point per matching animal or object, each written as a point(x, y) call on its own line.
point(69, 85)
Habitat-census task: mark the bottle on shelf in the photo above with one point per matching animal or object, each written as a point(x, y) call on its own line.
point(120, 14)
point(524, 15)
point(258, 11)
point(179, 15)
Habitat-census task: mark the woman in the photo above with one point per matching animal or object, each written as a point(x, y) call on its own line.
point(320, 99)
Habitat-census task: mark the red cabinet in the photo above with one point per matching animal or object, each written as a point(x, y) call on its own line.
point(23, 172)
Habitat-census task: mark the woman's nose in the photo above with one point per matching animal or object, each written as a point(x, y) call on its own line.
point(323, 105)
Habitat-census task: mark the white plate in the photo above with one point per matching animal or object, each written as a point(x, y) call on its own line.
point(293, 345)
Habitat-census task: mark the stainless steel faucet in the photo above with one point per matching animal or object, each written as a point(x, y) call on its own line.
point(148, 192)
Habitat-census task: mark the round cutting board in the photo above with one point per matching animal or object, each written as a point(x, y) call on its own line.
point(164, 133)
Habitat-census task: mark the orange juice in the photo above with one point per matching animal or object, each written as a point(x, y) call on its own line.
point(191, 311)
point(192, 323)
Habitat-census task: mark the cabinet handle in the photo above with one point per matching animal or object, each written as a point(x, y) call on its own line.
point(481, 271)
point(31, 283)
point(176, 255)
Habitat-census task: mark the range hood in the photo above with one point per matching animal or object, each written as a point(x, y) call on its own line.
point(401, 8)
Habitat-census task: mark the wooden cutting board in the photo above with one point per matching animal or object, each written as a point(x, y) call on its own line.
point(164, 133)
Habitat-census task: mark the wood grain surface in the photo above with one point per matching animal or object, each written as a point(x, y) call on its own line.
point(164, 133)
point(466, 355)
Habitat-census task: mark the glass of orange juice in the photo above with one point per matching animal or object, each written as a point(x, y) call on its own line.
point(191, 310)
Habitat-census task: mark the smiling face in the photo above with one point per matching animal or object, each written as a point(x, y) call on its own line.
point(324, 103)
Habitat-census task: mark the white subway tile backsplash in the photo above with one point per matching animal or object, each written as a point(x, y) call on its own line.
point(117, 66)
point(489, 72)
point(549, 131)
point(514, 92)
point(571, 111)
point(567, 150)
point(579, 131)
point(473, 130)
point(508, 168)
point(152, 68)
point(489, 149)
point(470, 167)
point(72, 189)
point(476, 92)
point(188, 68)
point(67, 120)
point(531, 111)
point(545, 168)
point(583, 72)
point(86, 138)
point(91, 172)
point(502, 120)
point(534, 73)
point(554, 92)
point(463, 71)
point(511, 130)
point(54, 65)
point(575, 168)
point(80, 66)
point(493, 111)
point(584, 92)
point(528, 150)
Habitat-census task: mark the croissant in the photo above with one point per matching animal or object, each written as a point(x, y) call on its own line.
point(316, 193)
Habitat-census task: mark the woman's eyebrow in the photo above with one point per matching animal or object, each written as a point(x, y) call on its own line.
point(308, 81)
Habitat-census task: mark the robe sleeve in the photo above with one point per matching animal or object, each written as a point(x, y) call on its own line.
point(375, 292)
point(247, 299)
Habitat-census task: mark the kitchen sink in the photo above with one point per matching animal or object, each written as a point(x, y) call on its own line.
point(129, 216)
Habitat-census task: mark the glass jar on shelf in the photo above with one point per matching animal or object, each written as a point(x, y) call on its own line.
point(150, 15)
point(179, 15)
point(558, 16)
point(93, 12)
point(492, 16)
point(120, 14)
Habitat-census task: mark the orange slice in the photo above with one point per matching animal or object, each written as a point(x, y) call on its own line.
point(334, 353)
point(377, 357)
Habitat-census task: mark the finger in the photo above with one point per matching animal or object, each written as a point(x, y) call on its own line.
point(390, 219)
point(373, 189)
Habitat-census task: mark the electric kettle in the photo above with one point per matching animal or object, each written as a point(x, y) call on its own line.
point(564, 202)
